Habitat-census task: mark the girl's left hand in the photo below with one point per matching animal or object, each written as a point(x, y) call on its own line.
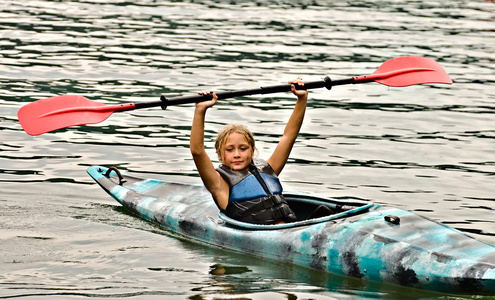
point(298, 93)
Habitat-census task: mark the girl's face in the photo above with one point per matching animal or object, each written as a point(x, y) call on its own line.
point(236, 152)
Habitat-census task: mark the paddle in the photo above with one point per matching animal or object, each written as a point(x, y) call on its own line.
point(58, 112)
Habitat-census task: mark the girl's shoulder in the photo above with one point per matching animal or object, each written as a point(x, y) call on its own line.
point(263, 166)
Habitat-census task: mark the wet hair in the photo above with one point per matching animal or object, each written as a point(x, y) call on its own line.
point(224, 133)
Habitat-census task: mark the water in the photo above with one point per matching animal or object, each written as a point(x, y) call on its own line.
point(426, 148)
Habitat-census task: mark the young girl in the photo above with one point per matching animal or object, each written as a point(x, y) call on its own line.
point(245, 189)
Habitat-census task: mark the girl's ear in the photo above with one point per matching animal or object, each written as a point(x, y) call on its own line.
point(255, 151)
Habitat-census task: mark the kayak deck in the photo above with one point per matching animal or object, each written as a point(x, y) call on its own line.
point(367, 241)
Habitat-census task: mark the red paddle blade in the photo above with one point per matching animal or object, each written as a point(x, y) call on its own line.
point(406, 71)
point(58, 112)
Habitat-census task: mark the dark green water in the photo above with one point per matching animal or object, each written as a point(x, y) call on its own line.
point(428, 149)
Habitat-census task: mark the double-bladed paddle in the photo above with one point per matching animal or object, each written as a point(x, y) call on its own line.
point(58, 112)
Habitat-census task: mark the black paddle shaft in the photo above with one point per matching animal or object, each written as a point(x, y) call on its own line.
point(164, 102)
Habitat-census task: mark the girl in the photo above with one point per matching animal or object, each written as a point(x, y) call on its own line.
point(245, 189)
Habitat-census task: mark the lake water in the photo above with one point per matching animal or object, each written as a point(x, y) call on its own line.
point(428, 148)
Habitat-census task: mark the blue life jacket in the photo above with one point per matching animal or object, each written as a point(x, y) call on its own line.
point(255, 195)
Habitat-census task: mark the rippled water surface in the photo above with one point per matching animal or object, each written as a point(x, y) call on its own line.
point(428, 148)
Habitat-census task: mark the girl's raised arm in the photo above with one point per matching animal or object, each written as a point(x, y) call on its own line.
point(210, 177)
point(281, 153)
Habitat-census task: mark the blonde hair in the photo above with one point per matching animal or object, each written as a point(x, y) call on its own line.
point(224, 133)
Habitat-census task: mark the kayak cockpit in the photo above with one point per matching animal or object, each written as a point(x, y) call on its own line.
point(303, 205)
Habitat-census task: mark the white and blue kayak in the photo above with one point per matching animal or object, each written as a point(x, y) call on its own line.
point(361, 239)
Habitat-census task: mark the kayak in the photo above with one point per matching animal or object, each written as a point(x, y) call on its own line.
point(361, 239)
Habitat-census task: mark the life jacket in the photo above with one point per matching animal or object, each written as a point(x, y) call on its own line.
point(255, 195)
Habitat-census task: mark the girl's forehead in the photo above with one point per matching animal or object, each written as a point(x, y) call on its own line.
point(235, 137)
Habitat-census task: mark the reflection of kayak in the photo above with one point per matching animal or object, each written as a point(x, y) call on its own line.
point(361, 240)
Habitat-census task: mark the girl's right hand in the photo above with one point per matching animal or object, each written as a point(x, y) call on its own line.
point(209, 103)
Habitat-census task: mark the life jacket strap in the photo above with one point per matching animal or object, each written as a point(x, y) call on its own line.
point(282, 212)
point(261, 204)
point(261, 211)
